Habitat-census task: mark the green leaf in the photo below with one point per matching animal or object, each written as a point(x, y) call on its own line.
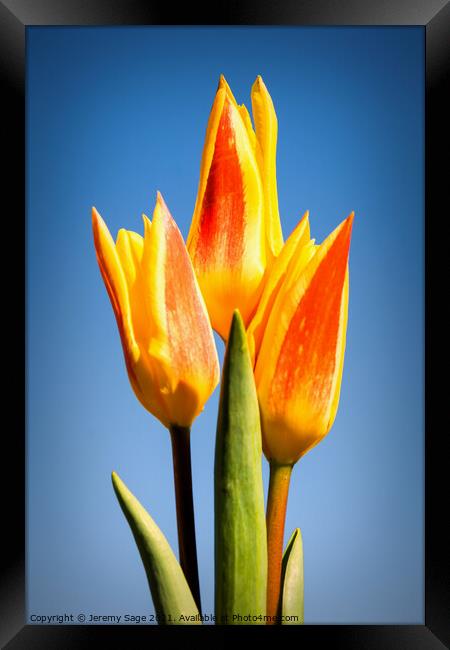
point(172, 598)
point(240, 527)
point(292, 603)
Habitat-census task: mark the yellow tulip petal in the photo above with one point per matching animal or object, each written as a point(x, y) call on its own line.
point(226, 239)
point(247, 120)
point(266, 126)
point(224, 85)
point(153, 266)
point(115, 281)
point(299, 367)
point(130, 248)
point(149, 394)
point(297, 240)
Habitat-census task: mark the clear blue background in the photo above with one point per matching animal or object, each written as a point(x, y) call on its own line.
point(114, 114)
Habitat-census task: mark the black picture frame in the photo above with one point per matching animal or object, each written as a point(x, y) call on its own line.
point(15, 16)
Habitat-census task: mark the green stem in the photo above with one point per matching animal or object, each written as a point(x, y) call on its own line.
point(181, 453)
point(280, 476)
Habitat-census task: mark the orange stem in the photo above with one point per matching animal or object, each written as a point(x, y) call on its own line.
point(280, 476)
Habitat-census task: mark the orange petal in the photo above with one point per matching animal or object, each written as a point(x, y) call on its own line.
point(226, 239)
point(182, 345)
point(222, 218)
point(297, 240)
point(115, 281)
point(299, 367)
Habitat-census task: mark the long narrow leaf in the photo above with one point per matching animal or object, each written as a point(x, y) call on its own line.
point(292, 607)
point(240, 528)
point(172, 598)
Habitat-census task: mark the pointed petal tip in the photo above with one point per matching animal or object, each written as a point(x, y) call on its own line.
point(259, 86)
point(147, 225)
point(95, 214)
point(303, 222)
point(224, 85)
point(342, 233)
point(161, 207)
point(224, 88)
point(349, 221)
point(98, 224)
point(160, 200)
point(346, 225)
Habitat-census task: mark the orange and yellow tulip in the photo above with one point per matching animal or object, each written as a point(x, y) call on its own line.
point(298, 339)
point(235, 233)
point(164, 327)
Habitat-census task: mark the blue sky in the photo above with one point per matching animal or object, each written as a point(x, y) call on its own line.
point(115, 114)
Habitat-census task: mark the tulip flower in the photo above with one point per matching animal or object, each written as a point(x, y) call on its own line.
point(235, 234)
point(167, 341)
point(298, 340)
point(164, 327)
point(299, 366)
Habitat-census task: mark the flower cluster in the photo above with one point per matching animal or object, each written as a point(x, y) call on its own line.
point(292, 297)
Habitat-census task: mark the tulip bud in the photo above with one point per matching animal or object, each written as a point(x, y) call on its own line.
point(235, 232)
point(298, 370)
point(164, 327)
